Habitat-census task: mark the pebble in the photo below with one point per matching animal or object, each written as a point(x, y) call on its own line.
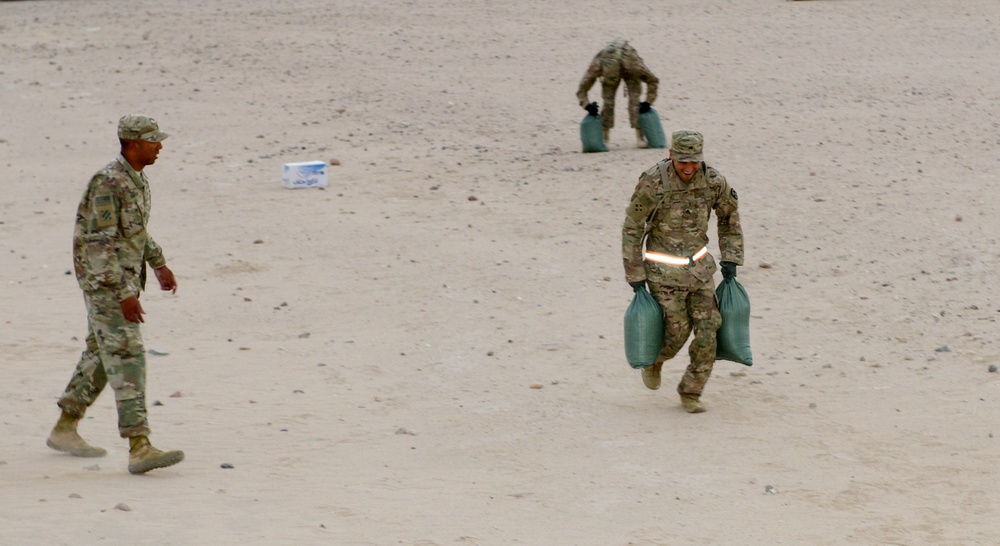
point(123, 507)
point(158, 352)
point(75, 496)
point(942, 349)
point(992, 368)
point(770, 490)
point(225, 465)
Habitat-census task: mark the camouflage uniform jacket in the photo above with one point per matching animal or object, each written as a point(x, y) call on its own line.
point(616, 62)
point(110, 242)
point(675, 215)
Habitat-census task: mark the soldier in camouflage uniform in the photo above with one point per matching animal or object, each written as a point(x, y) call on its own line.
point(670, 208)
point(111, 248)
point(618, 62)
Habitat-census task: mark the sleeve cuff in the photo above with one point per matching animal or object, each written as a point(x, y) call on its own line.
point(125, 294)
point(157, 262)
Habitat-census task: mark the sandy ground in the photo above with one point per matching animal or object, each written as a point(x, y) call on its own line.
point(429, 351)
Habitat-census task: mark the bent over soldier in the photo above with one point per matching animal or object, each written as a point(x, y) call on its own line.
point(665, 245)
point(619, 62)
point(111, 248)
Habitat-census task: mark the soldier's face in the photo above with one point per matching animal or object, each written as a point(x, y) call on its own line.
point(146, 152)
point(685, 169)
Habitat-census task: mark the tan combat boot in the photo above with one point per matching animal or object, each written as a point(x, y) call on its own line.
point(65, 438)
point(651, 376)
point(143, 457)
point(692, 404)
point(640, 139)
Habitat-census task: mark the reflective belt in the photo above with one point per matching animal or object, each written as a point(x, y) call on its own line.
point(670, 259)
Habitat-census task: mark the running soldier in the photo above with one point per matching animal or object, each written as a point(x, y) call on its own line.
point(670, 209)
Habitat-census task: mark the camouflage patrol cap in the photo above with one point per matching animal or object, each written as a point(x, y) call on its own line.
point(687, 146)
point(616, 44)
point(135, 127)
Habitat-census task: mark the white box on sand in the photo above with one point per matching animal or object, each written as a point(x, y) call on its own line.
point(307, 174)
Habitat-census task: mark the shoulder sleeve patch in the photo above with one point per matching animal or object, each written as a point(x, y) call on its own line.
point(104, 210)
point(640, 207)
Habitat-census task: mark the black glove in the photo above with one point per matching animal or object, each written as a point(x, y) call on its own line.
point(728, 271)
point(591, 108)
point(643, 107)
point(637, 285)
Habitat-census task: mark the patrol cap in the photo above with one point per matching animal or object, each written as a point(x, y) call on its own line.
point(687, 146)
point(136, 127)
point(616, 44)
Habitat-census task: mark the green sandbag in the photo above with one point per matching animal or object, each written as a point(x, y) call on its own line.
point(733, 337)
point(643, 330)
point(592, 134)
point(652, 129)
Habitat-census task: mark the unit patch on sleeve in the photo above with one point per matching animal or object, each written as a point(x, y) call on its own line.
point(105, 208)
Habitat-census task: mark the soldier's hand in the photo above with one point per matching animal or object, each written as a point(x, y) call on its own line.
point(643, 107)
point(591, 108)
point(728, 270)
point(166, 278)
point(637, 285)
point(132, 309)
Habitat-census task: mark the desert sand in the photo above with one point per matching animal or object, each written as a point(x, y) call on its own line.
point(429, 350)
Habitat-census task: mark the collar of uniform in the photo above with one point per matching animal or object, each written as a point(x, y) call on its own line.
point(135, 175)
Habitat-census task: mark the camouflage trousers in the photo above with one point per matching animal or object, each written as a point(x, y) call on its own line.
point(608, 91)
point(684, 310)
point(114, 355)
